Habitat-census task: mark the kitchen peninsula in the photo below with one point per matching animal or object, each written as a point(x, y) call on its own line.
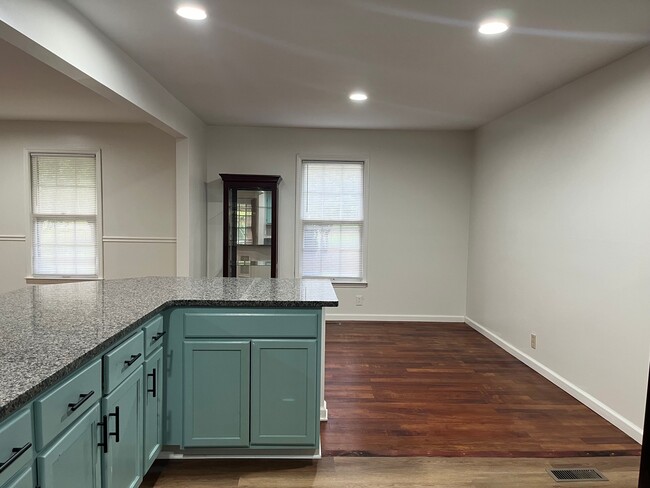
point(227, 366)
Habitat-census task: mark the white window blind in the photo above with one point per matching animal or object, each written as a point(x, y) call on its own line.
point(64, 215)
point(332, 217)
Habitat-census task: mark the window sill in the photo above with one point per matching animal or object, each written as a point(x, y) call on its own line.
point(339, 283)
point(51, 280)
point(350, 284)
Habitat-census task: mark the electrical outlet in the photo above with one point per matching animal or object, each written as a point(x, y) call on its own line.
point(533, 341)
point(359, 300)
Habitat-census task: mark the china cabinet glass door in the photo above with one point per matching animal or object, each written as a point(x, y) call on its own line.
point(250, 225)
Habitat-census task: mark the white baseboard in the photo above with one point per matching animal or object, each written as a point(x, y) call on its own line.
point(266, 455)
point(334, 317)
point(613, 417)
point(323, 411)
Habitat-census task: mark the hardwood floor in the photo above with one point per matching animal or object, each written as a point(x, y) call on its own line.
point(407, 389)
point(430, 390)
point(350, 472)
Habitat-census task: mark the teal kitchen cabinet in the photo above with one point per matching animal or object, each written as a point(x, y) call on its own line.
point(122, 436)
point(122, 361)
point(16, 448)
point(284, 393)
point(153, 334)
point(153, 407)
point(64, 404)
point(67, 434)
point(24, 480)
point(216, 393)
point(82, 442)
point(74, 459)
point(243, 381)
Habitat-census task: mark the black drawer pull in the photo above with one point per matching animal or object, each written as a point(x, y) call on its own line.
point(157, 336)
point(152, 375)
point(115, 434)
point(82, 398)
point(134, 358)
point(104, 425)
point(16, 452)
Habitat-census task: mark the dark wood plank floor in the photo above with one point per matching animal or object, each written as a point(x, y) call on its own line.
point(405, 389)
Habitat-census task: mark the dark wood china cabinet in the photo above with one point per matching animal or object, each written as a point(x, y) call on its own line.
point(250, 225)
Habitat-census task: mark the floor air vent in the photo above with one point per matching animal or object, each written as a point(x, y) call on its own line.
point(576, 474)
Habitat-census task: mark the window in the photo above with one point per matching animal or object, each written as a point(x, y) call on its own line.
point(332, 223)
point(65, 223)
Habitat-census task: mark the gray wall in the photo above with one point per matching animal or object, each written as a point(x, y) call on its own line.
point(139, 189)
point(418, 217)
point(560, 236)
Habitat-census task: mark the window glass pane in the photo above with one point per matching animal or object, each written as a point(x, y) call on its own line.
point(64, 247)
point(332, 251)
point(64, 185)
point(332, 191)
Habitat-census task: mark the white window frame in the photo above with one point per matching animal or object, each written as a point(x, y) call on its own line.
point(96, 153)
point(365, 160)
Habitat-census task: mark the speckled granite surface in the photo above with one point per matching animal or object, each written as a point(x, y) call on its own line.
point(48, 331)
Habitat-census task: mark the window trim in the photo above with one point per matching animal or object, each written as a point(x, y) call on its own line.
point(96, 153)
point(365, 160)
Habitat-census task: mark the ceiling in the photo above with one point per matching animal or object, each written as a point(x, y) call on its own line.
point(293, 62)
point(31, 90)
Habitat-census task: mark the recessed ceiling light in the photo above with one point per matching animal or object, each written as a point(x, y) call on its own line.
point(192, 13)
point(493, 27)
point(358, 97)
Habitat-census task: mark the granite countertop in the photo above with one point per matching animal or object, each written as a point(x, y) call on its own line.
point(49, 331)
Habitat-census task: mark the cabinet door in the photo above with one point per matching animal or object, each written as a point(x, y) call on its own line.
point(16, 450)
point(153, 406)
point(73, 460)
point(122, 409)
point(215, 397)
point(284, 393)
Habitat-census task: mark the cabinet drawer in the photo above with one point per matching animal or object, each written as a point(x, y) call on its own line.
point(251, 324)
point(66, 403)
point(16, 450)
point(153, 335)
point(23, 480)
point(122, 361)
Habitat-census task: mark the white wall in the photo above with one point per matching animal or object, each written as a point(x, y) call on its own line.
point(191, 206)
point(138, 190)
point(197, 196)
point(418, 216)
point(559, 237)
